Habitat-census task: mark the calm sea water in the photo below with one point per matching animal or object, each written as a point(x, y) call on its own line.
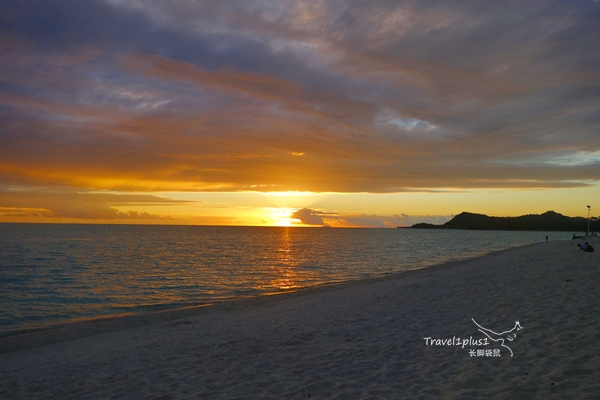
point(58, 273)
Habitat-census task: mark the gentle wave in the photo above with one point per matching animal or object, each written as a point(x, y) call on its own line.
point(58, 273)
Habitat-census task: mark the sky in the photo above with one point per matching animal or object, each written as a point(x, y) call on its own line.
point(303, 113)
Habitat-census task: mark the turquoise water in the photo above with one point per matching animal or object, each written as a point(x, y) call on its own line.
point(59, 273)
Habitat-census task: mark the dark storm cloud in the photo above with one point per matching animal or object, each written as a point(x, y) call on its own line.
point(378, 96)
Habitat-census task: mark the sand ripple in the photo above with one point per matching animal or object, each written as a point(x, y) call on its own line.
point(357, 341)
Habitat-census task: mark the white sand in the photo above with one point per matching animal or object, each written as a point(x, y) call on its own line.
point(356, 341)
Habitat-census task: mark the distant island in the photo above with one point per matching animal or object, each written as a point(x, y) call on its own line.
point(548, 221)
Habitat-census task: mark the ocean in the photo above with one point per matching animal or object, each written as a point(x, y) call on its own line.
point(53, 273)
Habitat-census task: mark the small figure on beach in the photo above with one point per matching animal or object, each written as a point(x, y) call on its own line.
point(586, 247)
point(501, 337)
point(546, 238)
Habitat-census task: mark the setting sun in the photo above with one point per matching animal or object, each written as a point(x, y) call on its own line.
point(281, 116)
point(282, 217)
point(163, 163)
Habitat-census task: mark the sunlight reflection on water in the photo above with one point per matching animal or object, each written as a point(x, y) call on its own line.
point(54, 273)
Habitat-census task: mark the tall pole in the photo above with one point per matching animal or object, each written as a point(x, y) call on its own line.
point(588, 230)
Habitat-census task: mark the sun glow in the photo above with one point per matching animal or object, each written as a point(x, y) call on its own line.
point(282, 217)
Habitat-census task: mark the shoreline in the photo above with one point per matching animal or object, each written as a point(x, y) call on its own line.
point(76, 304)
point(66, 331)
point(364, 339)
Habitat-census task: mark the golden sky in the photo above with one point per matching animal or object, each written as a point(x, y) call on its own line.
point(346, 113)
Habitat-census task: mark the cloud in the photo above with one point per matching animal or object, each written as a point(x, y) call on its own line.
point(74, 205)
point(390, 221)
point(578, 158)
point(308, 216)
point(388, 117)
point(378, 96)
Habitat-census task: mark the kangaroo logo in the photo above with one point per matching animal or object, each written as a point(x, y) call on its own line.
point(501, 337)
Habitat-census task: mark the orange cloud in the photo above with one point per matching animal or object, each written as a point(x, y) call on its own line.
point(82, 206)
point(257, 85)
point(405, 97)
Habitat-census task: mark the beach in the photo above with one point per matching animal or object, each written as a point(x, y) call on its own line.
point(390, 337)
